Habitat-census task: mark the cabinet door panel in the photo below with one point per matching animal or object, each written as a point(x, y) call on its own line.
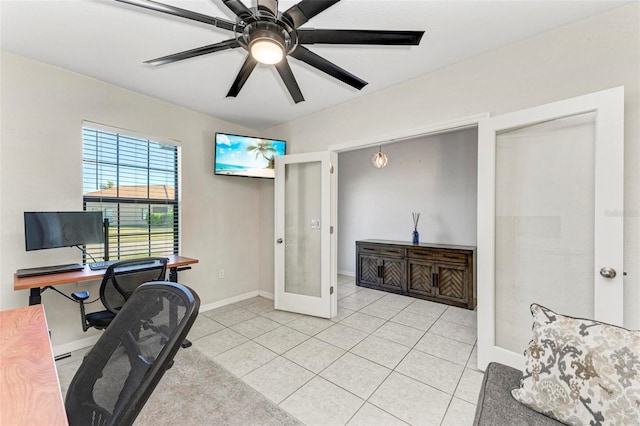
point(452, 282)
point(442, 274)
point(392, 274)
point(420, 278)
point(368, 269)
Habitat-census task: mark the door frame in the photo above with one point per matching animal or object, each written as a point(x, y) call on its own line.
point(393, 137)
point(609, 124)
point(334, 150)
point(405, 134)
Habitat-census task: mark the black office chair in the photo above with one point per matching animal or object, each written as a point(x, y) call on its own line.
point(119, 281)
point(119, 374)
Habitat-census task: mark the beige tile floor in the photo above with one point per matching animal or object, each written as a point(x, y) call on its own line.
point(385, 359)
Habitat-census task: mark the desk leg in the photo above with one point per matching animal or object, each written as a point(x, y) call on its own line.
point(173, 277)
point(34, 296)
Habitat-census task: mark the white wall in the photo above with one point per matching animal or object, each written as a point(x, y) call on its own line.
point(435, 175)
point(594, 54)
point(42, 111)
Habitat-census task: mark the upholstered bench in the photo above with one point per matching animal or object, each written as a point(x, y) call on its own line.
point(496, 406)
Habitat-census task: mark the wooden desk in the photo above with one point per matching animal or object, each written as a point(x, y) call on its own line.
point(29, 387)
point(37, 283)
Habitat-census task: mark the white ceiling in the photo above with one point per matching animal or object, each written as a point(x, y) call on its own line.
point(109, 41)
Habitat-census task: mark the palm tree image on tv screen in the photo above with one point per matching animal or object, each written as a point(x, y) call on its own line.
point(246, 156)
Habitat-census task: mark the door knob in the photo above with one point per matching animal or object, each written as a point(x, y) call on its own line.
point(608, 272)
point(279, 241)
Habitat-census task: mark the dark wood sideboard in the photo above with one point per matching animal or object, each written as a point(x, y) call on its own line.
point(436, 272)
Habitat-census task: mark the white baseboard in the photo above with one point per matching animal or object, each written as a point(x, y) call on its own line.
point(90, 341)
point(265, 294)
point(347, 273)
point(228, 301)
point(75, 345)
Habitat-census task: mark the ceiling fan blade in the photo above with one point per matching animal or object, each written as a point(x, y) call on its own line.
point(305, 55)
point(269, 6)
point(300, 13)
point(387, 38)
point(240, 10)
point(289, 80)
point(243, 75)
point(211, 48)
point(187, 14)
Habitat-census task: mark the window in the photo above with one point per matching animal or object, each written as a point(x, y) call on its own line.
point(134, 182)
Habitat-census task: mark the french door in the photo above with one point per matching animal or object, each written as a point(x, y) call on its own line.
point(305, 238)
point(550, 228)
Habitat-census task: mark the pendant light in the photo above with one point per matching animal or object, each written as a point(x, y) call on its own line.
point(379, 160)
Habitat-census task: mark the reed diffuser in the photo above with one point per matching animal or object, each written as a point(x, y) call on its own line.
point(416, 235)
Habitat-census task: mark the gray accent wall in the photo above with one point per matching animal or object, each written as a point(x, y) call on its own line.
point(435, 175)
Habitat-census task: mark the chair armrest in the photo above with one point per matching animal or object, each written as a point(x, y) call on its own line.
point(80, 296)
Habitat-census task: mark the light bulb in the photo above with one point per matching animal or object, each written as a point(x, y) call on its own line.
point(266, 51)
point(379, 160)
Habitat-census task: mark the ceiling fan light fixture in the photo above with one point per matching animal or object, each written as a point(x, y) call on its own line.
point(266, 50)
point(269, 35)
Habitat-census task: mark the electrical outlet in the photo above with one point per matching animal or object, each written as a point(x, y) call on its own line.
point(221, 273)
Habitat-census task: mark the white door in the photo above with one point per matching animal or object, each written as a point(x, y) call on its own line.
point(305, 247)
point(550, 226)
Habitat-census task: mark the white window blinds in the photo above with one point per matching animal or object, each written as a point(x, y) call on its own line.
point(134, 182)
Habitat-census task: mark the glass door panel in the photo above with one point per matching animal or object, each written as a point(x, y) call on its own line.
point(544, 218)
point(302, 242)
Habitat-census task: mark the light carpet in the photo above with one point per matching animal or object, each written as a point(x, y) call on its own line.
point(198, 391)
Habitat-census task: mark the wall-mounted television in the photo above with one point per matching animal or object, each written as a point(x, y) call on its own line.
point(247, 156)
point(45, 230)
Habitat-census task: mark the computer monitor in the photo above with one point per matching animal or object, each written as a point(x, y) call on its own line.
point(45, 230)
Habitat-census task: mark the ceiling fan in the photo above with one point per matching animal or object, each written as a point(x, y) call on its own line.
point(269, 36)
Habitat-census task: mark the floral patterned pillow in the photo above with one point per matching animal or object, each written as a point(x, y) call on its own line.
point(581, 372)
